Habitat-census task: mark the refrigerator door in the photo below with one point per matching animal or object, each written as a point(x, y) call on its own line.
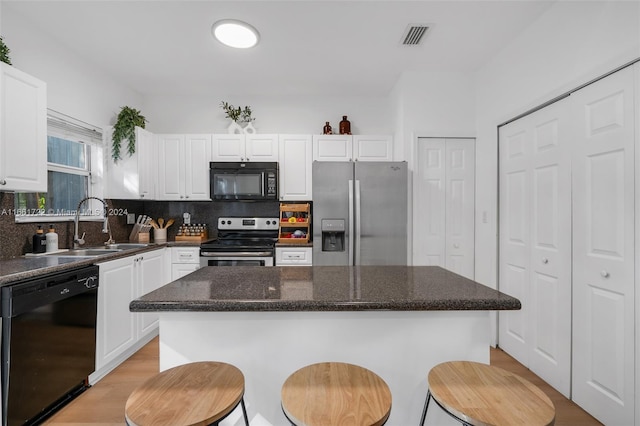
point(331, 194)
point(381, 213)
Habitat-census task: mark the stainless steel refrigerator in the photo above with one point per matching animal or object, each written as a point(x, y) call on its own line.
point(360, 213)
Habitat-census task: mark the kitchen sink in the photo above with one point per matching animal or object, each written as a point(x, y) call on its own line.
point(126, 246)
point(92, 252)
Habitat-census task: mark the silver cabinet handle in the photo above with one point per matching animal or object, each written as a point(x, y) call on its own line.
point(545, 260)
point(3, 182)
point(604, 274)
point(456, 245)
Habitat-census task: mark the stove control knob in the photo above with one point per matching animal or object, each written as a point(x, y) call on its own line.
point(228, 222)
point(268, 222)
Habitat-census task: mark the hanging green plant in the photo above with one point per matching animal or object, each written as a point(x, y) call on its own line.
point(125, 128)
point(4, 52)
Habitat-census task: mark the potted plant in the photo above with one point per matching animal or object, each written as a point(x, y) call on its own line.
point(4, 52)
point(238, 115)
point(125, 128)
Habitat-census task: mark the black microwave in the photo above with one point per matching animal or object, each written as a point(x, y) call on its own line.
point(232, 181)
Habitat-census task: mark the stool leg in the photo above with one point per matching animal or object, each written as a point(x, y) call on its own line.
point(244, 412)
point(426, 406)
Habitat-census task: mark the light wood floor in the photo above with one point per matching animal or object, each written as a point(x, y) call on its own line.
point(103, 404)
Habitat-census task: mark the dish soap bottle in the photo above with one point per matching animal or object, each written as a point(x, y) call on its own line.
point(52, 239)
point(39, 241)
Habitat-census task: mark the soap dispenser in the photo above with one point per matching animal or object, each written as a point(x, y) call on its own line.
point(52, 239)
point(39, 241)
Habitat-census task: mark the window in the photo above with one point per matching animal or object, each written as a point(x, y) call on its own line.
point(71, 148)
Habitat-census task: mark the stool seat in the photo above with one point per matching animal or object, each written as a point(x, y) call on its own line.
point(335, 393)
point(198, 393)
point(480, 394)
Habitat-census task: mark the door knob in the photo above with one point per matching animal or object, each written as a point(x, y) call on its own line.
point(456, 245)
point(604, 274)
point(3, 182)
point(545, 260)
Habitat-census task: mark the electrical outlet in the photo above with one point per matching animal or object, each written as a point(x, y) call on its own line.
point(131, 218)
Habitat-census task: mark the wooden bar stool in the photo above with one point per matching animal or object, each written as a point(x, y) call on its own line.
point(335, 393)
point(198, 393)
point(479, 394)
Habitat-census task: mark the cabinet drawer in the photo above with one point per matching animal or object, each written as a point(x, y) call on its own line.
point(293, 256)
point(185, 255)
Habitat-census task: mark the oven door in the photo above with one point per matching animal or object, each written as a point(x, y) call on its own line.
point(264, 258)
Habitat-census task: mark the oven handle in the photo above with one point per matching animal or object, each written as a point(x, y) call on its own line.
point(237, 254)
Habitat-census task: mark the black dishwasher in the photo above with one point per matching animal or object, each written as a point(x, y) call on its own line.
point(48, 343)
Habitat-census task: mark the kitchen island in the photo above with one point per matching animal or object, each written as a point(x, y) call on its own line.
point(398, 321)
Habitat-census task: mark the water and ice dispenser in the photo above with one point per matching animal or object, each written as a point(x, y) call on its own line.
point(333, 231)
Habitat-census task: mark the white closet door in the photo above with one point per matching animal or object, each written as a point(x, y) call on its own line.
point(430, 225)
point(550, 251)
point(603, 249)
point(535, 242)
point(445, 205)
point(515, 241)
point(460, 206)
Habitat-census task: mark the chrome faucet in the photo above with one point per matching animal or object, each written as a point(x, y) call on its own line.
point(77, 240)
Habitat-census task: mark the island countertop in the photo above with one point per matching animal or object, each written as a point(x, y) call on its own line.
point(323, 288)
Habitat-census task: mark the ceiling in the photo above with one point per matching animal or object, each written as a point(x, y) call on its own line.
point(329, 48)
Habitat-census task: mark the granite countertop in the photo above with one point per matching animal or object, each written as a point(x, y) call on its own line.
point(22, 268)
point(323, 288)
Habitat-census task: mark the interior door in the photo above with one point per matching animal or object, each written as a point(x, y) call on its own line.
point(603, 249)
point(535, 242)
point(445, 204)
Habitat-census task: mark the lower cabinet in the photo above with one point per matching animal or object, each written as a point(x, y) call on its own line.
point(184, 260)
point(119, 332)
point(294, 256)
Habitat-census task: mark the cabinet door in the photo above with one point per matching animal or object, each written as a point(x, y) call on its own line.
point(373, 147)
point(332, 147)
point(261, 147)
point(23, 131)
point(116, 324)
point(179, 270)
point(295, 167)
point(134, 176)
point(603, 248)
point(171, 173)
point(228, 147)
point(197, 154)
point(150, 274)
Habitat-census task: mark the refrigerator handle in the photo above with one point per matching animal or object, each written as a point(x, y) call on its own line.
point(358, 222)
point(351, 233)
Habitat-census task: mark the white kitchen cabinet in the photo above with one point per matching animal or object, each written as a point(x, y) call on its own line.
point(23, 131)
point(294, 256)
point(373, 147)
point(352, 148)
point(332, 147)
point(295, 167)
point(183, 167)
point(184, 260)
point(245, 147)
point(119, 331)
point(133, 177)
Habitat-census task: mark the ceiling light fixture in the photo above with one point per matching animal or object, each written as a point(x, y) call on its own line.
point(234, 33)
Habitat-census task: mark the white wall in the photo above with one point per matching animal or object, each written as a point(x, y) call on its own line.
point(74, 86)
point(572, 43)
point(190, 114)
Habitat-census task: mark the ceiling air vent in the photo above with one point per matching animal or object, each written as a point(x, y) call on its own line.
point(413, 35)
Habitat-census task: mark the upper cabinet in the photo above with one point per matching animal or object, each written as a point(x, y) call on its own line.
point(295, 167)
point(23, 131)
point(352, 148)
point(133, 177)
point(183, 167)
point(241, 147)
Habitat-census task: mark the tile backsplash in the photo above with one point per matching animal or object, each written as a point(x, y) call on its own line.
point(15, 238)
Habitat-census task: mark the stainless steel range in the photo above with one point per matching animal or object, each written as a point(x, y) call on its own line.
point(242, 241)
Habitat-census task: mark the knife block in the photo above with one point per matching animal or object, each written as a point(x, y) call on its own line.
point(142, 237)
